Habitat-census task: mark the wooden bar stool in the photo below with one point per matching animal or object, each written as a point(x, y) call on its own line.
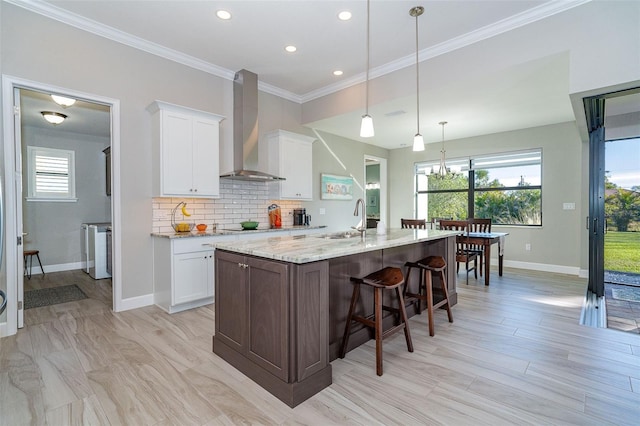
point(427, 267)
point(385, 279)
point(29, 254)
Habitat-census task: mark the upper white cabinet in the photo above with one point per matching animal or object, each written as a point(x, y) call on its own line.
point(288, 155)
point(186, 145)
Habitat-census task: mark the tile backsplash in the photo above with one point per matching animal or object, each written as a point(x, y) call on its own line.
point(239, 201)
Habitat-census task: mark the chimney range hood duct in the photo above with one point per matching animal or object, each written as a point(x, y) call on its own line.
point(245, 127)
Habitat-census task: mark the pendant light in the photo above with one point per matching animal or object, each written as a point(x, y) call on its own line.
point(443, 163)
point(418, 141)
point(366, 127)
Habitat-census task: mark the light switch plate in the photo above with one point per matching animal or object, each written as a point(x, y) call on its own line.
point(322, 210)
point(568, 206)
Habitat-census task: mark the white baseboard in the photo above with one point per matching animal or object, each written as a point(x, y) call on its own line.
point(3, 329)
point(35, 268)
point(584, 273)
point(135, 302)
point(543, 267)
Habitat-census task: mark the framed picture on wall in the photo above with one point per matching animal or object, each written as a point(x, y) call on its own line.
point(334, 187)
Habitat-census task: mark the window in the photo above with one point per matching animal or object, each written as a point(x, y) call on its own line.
point(51, 174)
point(504, 187)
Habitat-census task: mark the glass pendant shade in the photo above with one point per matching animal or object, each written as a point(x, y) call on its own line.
point(366, 127)
point(418, 142)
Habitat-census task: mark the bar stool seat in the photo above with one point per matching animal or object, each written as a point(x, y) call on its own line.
point(28, 256)
point(385, 279)
point(428, 266)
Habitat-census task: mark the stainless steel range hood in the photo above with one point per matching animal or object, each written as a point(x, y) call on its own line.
point(245, 127)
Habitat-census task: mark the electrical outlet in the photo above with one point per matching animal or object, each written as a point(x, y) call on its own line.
point(322, 210)
point(527, 247)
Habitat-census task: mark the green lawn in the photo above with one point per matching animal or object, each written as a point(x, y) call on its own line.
point(622, 251)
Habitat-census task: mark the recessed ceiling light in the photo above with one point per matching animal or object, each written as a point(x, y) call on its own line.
point(290, 49)
point(345, 15)
point(337, 72)
point(223, 14)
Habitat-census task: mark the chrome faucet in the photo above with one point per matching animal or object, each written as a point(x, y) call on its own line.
point(362, 228)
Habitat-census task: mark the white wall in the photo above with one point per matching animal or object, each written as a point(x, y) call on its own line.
point(54, 228)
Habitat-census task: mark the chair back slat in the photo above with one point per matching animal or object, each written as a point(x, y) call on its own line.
point(479, 225)
point(413, 223)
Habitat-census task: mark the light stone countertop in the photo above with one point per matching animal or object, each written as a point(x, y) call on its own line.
point(219, 232)
point(315, 247)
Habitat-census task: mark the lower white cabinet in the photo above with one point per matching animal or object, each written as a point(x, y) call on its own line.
point(192, 276)
point(183, 272)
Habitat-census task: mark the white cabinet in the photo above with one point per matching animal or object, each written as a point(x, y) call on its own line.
point(185, 151)
point(183, 272)
point(288, 155)
point(192, 277)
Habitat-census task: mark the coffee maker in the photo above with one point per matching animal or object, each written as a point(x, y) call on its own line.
point(299, 216)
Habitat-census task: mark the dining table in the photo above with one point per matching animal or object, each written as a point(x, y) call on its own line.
point(487, 239)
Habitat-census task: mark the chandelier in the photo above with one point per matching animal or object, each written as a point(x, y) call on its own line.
point(442, 171)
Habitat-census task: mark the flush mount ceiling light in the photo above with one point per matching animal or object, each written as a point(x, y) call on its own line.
point(224, 15)
point(54, 118)
point(345, 15)
point(290, 48)
point(63, 100)
point(366, 127)
point(337, 73)
point(418, 141)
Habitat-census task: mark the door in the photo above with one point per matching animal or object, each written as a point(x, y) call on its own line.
point(595, 221)
point(268, 316)
point(190, 277)
point(18, 196)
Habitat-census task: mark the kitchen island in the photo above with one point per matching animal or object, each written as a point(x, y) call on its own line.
point(281, 302)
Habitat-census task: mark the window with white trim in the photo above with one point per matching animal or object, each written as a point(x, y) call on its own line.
point(51, 174)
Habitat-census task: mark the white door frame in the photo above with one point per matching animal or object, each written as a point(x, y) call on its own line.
point(383, 185)
point(12, 149)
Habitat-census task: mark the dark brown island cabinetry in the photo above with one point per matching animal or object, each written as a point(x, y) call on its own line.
point(281, 303)
point(275, 330)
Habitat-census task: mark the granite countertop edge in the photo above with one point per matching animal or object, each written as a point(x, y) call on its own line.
point(312, 248)
point(222, 232)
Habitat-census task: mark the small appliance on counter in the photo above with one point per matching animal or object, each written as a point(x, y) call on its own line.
point(275, 216)
point(298, 216)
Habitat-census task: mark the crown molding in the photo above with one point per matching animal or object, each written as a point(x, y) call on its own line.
point(516, 21)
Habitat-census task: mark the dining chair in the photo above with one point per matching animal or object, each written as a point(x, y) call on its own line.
point(464, 253)
point(479, 225)
point(414, 223)
point(435, 221)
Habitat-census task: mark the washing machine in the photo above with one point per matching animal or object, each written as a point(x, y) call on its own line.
point(95, 250)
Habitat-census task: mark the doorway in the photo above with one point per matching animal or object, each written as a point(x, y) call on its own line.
point(375, 172)
point(622, 212)
point(18, 97)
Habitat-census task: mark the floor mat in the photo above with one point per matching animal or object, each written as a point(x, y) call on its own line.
point(52, 296)
point(629, 294)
